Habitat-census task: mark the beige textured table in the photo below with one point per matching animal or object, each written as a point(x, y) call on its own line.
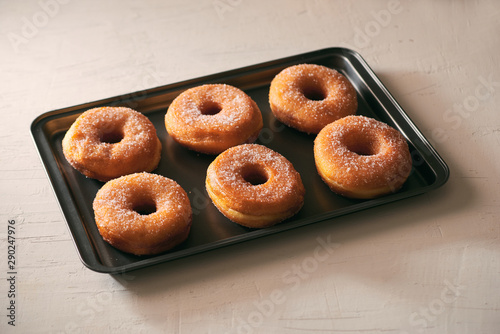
point(429, 264)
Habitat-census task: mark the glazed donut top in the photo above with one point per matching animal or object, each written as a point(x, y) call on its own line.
point(364, 147)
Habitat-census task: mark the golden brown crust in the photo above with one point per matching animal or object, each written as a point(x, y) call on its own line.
point(307, 97)
point(108, 142)
point(143, 213)
point(361, 157)
point(254, 186)
point(211, 118)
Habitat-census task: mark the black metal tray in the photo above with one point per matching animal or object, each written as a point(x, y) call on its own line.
point(211, 229)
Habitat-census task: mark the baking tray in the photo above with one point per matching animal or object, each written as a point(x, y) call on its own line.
point(210, 229)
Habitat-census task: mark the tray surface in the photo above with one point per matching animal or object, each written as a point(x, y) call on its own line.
point(210, 228)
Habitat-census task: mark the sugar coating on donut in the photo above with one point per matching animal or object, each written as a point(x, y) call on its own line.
point(254, 186)
point(230, 172)
point(308, 97)
point(212, 118)
point(118, 205)
point(109, 142)
point(362, 157)
point(96, 126)
point(194, 116)
point(302, 75)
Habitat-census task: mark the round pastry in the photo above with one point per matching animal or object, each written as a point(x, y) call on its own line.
point(108, 142)
point(254, 186)
point(211, 118)
point(307, 97)
point(143, 213)
point(360, 157)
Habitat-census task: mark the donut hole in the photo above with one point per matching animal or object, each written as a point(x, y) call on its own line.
point(362, 144)
point(111, 137)
point(210, 108)
point(255, 175)
point(314, 91)
point(145, 207)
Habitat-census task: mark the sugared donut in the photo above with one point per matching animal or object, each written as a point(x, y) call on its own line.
point(360, 157)
point(211, 118)
point(307, 97)
point(108, 142)
point(254, 186)
point(143, 213)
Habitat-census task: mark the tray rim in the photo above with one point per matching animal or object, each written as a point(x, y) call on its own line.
point(77, 231)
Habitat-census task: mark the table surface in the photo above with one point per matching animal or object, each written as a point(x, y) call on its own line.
point(428, 264)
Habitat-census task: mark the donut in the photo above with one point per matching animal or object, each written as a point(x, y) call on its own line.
point(254, 186)
point(142, 213)
point(213, 117)
point(360, 157)
point(109, 142)
point(307, 97)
